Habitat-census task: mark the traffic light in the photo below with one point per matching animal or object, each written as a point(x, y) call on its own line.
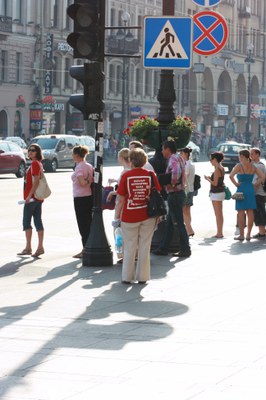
point(91, 77)
point(87, 40)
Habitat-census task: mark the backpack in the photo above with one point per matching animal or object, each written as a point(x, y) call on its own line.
point(197, 184)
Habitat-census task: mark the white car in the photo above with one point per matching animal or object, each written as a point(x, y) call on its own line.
point(195, 151)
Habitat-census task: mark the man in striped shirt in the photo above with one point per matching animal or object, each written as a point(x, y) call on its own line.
point(175, 199)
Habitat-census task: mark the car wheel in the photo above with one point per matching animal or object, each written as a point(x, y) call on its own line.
point(52, 166)
point(21, 170)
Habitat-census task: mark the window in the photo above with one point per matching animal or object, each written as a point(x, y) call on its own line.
point(56, 14)
point(68, 19)
point(3, 7)
point(56, 72)
point(156, 84)
point(112, 17)
point(19, 68)
point(111, 78)
point(19, 10)
point(147, 83)
point(3, 65)
point(119, 79)
point(67, 75)
point(139, 81)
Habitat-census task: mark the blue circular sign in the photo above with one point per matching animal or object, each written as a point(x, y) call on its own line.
point(206, 3)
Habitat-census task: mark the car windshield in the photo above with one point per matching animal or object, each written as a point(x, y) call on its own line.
point(46, 143)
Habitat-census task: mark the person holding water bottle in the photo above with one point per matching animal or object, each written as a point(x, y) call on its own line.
point(131, 213)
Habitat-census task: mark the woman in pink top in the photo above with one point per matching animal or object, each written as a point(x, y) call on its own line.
point(82, 179)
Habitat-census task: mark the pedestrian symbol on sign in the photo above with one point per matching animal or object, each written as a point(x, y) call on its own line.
point(167, 45)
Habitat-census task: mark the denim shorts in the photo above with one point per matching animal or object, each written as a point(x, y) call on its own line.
point(189, 199)
point(33, 210)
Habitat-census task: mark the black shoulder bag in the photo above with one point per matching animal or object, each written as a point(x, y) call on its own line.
point(156, 205)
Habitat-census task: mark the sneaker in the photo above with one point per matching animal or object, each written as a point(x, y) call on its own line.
point(159, 252)
point(182, 254)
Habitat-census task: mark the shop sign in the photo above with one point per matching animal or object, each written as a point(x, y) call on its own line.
point(241, 110)
point(255, 110)
point(20, 101)
point(206, 108)
point(221, 109)
point(50, 105)
point(64, 47)
point(135, 111)
point(36, 116)
point(48, 64)
point(77, 122)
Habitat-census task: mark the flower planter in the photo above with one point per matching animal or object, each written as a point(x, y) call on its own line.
point(180, 135)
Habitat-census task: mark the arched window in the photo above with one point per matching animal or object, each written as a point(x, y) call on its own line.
point(111, 78)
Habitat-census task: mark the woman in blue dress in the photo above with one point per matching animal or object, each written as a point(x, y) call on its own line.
point(244, 172)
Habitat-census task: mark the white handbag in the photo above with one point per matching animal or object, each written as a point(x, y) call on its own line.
point(43, 191)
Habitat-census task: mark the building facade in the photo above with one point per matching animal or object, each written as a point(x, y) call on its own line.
point(224, 93)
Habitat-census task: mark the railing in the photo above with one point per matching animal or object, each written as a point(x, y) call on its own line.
point(5, 24)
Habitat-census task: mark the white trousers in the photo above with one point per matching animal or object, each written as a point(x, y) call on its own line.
point(137, 237)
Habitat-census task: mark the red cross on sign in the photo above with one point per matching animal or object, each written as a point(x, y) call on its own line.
point(210, 32)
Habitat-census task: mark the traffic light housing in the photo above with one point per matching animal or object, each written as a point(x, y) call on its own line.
point(87, 40)
point(91, 76)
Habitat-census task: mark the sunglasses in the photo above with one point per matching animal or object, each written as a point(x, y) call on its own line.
point(32, 150)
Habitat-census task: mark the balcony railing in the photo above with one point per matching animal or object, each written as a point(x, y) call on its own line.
point(5, 24)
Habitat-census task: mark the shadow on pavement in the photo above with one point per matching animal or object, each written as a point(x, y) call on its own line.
point(117, 306)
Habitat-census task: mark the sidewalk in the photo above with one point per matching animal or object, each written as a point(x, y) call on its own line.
point(195, 331)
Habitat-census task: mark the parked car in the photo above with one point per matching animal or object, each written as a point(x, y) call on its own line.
point(230, 150)
point(195, 151)
point(20, 142)
point(12, 159)
point(57, 150)
point(89, 141)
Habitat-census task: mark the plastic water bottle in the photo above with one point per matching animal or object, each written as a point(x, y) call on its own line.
point(118, 241)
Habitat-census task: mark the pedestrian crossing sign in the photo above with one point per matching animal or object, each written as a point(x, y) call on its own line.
point(167, 42)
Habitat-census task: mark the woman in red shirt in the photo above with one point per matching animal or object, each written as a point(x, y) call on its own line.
point(33, 206)
point(137, 227)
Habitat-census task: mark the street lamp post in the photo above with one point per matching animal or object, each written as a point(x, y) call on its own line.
point(126, 37)
point(249, 60)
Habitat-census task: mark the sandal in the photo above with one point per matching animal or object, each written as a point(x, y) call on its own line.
point(79, 255)
point(25, 252)
point(38, 252)
point(239, 238)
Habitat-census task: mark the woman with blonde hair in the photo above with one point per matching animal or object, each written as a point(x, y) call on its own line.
point(217, 193)
point(244, 172)
point(131, 211)
point(189, 188)
point(82, 179)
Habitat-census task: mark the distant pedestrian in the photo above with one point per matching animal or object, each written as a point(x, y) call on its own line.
point(135, 144)
point(33, 206)
point(189, 188)
point(82, 179)
point(244, 172)
point(217, 192)
point(260, 195)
